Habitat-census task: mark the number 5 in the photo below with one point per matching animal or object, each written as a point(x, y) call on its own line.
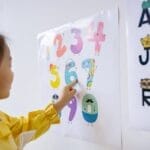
point(54, 71)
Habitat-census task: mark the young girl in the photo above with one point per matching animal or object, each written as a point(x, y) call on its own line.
point(15, 132)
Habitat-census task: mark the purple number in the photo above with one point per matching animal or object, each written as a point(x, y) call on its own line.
point(73, 108)
point(78, 47)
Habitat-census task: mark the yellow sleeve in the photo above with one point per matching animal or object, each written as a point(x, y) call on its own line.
point(39, 120)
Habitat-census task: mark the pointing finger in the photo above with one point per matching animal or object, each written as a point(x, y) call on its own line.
point(73, 83)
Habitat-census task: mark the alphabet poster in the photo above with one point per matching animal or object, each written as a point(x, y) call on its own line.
point(86, 50)
point(138, 52)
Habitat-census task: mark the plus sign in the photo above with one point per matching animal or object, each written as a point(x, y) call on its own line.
point(98, 37)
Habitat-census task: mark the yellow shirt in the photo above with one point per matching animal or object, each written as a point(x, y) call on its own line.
point(15, 132)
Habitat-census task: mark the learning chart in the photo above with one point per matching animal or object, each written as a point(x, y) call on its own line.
point(138, 50)
point(86, 50)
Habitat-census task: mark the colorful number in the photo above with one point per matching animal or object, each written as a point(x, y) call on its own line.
point(98, 37)
point(89, 108)
point(73, 108)
point(78, 47)
point(90, 65)
point(70, 75)
point(54, 71)
point(61, 49)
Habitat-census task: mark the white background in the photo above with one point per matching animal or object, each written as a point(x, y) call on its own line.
point(21, 20)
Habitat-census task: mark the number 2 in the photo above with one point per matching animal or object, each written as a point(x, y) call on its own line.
point(61, 49)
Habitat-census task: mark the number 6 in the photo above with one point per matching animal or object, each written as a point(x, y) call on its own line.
point(70, 75)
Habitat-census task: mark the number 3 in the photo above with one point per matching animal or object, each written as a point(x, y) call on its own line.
point(78, 47)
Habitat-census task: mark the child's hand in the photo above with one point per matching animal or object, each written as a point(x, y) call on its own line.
point(67, 94)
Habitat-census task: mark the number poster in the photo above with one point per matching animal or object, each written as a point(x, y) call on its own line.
point(86, 50)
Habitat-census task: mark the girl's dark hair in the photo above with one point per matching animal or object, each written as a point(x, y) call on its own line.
point(2, 46)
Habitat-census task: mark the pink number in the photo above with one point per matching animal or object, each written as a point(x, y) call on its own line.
point(98, 37)
point(61, 49)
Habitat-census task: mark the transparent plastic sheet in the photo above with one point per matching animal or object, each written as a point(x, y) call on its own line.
point(87, 50)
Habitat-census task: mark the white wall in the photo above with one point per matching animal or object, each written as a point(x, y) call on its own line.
point(21, 20)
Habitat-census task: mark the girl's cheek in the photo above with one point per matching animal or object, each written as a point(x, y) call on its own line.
point(12, 76)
